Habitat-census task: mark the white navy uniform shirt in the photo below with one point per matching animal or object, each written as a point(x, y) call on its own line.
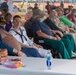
point(17, 36)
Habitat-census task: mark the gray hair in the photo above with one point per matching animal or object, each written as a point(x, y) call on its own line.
point(52, 11)
point(38, 13)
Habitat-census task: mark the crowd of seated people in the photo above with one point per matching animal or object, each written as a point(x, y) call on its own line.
point(22, 44)
point(62, 44)
point(12, 45)
point(20, 34)
point(57, 30)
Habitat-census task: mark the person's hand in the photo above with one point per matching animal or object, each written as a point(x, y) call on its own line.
point(39, 46)
point(21, 53)
point(18, 52)
point(35, 47)
point(54, 38)
point(58, 38)
point(63, 30)
point(72, 29)
point(60, 33)
point(53, 31)
point(67, 29)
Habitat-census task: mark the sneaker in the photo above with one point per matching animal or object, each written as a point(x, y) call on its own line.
point(73, 54)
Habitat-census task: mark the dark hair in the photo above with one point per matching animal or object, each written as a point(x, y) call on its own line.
point(2, 20)
point(16, 16)
point(36, 4)
point(7, 14)
point(5, 10)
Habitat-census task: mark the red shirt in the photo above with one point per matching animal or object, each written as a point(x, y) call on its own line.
point(72, 18)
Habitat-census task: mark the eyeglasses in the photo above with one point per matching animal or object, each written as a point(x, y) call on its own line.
point(18, 21)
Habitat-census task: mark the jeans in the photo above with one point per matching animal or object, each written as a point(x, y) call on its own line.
point(31, 52)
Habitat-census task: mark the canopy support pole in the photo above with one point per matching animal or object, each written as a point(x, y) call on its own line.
point(26, 5)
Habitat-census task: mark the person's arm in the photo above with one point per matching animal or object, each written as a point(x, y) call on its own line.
point(10, 49)
point(26, 46)
point(18, 52)
point(41, 34)
point(57, 32)
point(38, 46)
point(53, 31)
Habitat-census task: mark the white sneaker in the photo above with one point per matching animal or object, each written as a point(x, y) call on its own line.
point(73, 54)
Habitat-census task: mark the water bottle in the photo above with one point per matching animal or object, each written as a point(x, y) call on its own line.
point(48, 60)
